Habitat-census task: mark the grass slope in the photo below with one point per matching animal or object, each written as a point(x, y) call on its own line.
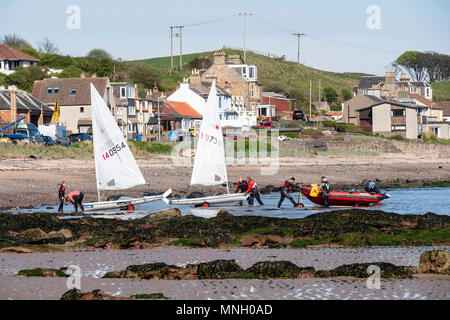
point(441, 91)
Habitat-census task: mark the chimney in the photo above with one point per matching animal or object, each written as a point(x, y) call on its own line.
point(13, 103)
point(195, 78)
point(219, 58)
point(83, 75)
point(94, 76)
point(234, 59)
point(390, 77)
point(405, 77)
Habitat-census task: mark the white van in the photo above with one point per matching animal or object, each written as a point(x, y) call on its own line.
point(58, 133)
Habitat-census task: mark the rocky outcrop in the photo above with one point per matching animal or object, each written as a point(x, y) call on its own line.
point(360, 270)
point(219, 269)
point(42, 272)
point(38, 236)
point(168, 214)
point(260, 240)
point(75, 294)
point(279, 269)
point(434, 261)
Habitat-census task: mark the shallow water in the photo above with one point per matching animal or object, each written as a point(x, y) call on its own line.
point(402, 201)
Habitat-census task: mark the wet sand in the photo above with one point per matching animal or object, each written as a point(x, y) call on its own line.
point(95, 263)
point(33, 182)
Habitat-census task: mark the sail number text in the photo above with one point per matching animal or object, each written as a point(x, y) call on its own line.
point(208, 138)
point(113, 151)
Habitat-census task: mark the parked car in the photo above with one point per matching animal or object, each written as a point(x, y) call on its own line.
point(30, 130)
point(79, 137)
point(235, 136)
point(299, 115)
point(58, 133)
point(49, 141)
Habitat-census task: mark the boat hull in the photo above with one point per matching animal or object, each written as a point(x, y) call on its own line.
point(125, 203)
point(209, 200)
point(343, 198)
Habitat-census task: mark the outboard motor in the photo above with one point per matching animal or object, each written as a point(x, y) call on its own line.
point(371, 186)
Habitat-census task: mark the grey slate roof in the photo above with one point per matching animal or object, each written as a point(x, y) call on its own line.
point(367, 82)
point(25, 102)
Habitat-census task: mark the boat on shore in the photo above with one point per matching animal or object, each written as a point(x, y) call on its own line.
point(343, 198)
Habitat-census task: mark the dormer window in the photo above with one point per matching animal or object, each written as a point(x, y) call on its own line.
point(73, 91)
point(51, 90)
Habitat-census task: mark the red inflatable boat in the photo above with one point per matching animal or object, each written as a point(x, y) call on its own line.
point(344, 198)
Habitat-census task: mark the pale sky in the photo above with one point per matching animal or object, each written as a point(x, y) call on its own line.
point(337, 37)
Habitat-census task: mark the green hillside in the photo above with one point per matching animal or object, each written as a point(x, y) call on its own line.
point(441, 91)
point(275, 75)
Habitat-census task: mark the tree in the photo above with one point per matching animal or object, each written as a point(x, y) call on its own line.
point(411, 62)
point(346, 94)
point(24, 78)
point(56, 61)
point(70, 72)
point(15, 41)
point(46, 46)
point(144, 74)
point(200, 63)
point(422, 66)
point(98, 53)
point(331, 95)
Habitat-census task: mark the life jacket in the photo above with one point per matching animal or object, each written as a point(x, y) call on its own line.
point(61, 190)
point(314, 191)
point(73, 194)
point(252, 185)
point(242, 185)
point(287, 183)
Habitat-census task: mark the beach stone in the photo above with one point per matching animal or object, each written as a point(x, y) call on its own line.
point(359, 270)
point(75, 294)
point(72, 294)
point(168, 214)
point(34, 236)
point(158, 271)
point(267, 189)
point(434, 261)
point(16, 250)
point(54, 237)
point(42, 272)
point(66, 233)
point(218, 269)
point(275, 269)
point(259, 240)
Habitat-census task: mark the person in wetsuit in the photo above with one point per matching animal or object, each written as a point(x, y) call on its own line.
point(242, 187)
point(254, 192)
point(371, 186)
point(326, 188)
point(61, 195)
point(288, 185)
point(76, 198)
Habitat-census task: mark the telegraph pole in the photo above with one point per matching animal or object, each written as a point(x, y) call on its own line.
point(171, 49)
point(298, 35)
point(181, 47)
point(319, 92)
point(310, 92)
point(245, 14)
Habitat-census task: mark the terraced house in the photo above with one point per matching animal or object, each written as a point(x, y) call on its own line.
point(74, 98)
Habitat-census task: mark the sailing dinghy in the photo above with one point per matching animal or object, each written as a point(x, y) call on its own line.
point(209, 163)
point(115, 166)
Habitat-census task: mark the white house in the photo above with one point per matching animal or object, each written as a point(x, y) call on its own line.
point(10, 59)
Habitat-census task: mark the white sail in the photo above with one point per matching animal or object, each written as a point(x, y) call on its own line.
point(115, 166)
point(209, 164)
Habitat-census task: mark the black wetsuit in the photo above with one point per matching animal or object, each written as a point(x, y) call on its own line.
point(78, 201)
point(241, 188)
point(285, 188)
point(254, 193)
point(326, 188)
point(61, 195)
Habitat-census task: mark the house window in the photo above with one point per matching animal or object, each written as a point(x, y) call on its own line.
point(252, 92)
point(428, 91)
point(132, 110)
point(56, 90)
point(123, 92)
point(398, 128)
point(81, 109)
point(398, 113)
point(73, 91)
point(251, 73)
point(49, 90)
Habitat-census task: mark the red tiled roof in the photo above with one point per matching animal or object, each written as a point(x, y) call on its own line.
point(425, 101)
point(445, 105)
point(184, 109)
point(8, 53)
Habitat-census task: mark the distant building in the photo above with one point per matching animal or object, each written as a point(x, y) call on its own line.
point(10, 59)
point(15, 103)
point(445, 105)
point(391, 118)
point(74, 97)
point(284, 106)
point(390, 87)
point(350, 113)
